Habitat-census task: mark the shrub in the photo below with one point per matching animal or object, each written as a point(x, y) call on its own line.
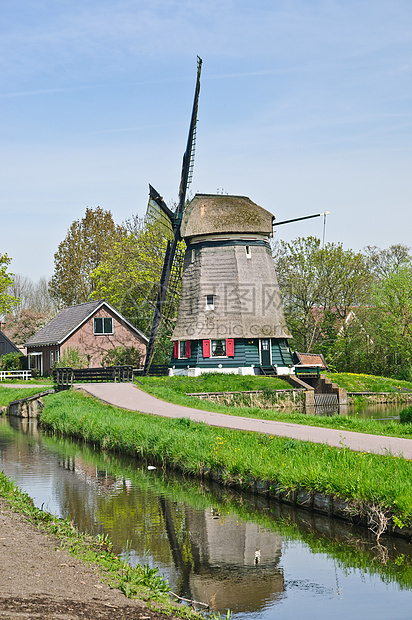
point(123, 356)
point(405, 415)
point(11, 361)
point(72, 358)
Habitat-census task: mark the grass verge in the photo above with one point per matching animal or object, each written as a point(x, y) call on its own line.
point(369, 383)
point(239, 457)
point(140, 582)
point(174, 389)
point(7, 395)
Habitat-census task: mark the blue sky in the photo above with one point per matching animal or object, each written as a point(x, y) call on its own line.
point(305, 107)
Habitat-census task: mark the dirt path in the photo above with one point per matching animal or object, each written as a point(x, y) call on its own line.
point(130, 397)
point(40, 580)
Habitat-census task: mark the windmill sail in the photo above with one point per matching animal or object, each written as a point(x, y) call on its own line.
point(175, 219)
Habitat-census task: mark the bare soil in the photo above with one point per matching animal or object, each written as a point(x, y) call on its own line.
point(38, 579)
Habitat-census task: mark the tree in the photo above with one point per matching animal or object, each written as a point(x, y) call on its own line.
point(23, 324)
point(384, 262)
point(128, 278)
point(391, 324)
point(7, 300)
point(320, 287)
point(81, 252)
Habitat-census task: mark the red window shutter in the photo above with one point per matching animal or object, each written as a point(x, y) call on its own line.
point(188, 348)
point(206, 348)
point(176, 349)
point(230, 347)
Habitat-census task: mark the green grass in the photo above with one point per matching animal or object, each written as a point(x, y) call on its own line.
point(140, 581)
point(173, 389)
point(7, 395)
point(239, 456)
point(350, 550)
point(369, 383)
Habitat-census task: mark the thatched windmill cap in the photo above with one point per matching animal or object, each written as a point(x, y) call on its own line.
point(210, 214)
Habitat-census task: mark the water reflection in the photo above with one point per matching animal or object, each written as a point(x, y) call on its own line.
point(214, 545)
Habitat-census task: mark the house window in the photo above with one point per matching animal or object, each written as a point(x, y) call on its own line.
point(103, 325)
point(218, 348)
point(248, 251)
point(210, 302)
point(54, 357)
point(184, 349)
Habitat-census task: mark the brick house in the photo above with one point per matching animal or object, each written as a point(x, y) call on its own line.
point(93, 328)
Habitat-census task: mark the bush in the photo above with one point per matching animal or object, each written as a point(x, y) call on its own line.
point(11, 361)
point(123, 356)
point(405, 415)
point(72, 358)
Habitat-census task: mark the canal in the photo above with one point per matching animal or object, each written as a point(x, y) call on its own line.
point(258, 558)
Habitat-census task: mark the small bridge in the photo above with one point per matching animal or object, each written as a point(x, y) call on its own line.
point(65, 377)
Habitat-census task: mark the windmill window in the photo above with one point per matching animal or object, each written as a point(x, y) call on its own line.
point(218, 348)
point(210, 302)
point(103, 325)
point(184, 349)
point(248, 251)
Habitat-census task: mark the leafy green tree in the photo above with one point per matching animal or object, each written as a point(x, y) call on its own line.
point(80, 253)
point(7, 300)
point(320, 287)
point(391, 324)
point(128, 278)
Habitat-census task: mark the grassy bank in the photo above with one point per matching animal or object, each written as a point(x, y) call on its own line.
point(174, 389)
point(9, 394)
point(339, 541)
point(239, 457)
point(135, 582)
point(369, 383)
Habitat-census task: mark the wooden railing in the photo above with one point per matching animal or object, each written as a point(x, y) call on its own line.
point(310, 372)
point(6, 375)
point(155, 370)
point(65, 377)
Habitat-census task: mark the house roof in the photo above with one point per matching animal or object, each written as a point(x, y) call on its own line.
point(69, 320)
point(7, 341)
point(310, 359)
point(217, 213)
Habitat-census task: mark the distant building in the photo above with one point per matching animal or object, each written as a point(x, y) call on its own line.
point(6, 345)
point(93, 328)
point(230, 316)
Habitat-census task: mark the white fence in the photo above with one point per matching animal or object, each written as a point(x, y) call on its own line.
point(7, 375)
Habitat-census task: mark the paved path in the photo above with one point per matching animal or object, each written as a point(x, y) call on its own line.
point(27, 385)
point(128, 396)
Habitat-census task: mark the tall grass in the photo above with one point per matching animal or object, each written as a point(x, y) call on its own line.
point(239, 456)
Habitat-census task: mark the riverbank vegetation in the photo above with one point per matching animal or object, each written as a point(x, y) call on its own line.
point(237, 457)
point(140, 582)
point(347, 545)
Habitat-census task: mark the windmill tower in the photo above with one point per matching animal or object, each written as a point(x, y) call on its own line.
point(230, 315)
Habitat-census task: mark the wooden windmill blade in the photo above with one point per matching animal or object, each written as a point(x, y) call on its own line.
point(176, 220)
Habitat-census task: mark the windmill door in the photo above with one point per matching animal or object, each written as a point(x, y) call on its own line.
point(265, 353)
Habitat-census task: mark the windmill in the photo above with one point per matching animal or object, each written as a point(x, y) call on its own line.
point(218, 208)
point(174, 219)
